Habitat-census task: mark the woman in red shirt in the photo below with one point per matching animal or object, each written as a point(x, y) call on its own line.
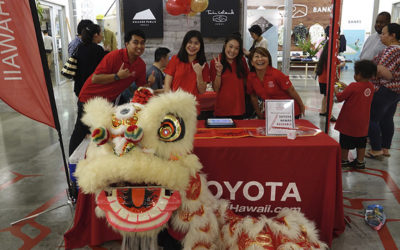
point(322, 73)
point(228, 73)
point(188, 70)
point(267, 82)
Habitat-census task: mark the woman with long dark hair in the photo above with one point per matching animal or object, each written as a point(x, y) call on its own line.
point(188, 70)
point(88, 55)
point(228, 72)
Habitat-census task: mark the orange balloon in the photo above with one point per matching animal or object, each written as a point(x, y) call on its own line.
point(199, 5)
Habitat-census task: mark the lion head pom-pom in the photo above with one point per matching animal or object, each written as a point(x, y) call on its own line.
point(100, 135)
point(133, 133)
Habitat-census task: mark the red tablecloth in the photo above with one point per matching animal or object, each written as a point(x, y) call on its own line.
point(207, 101)
point(88, 229)
point(258, 171)
point(262, 175)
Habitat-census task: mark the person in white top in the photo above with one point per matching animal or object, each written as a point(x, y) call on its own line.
point(48, 47)
point(373, 46)
point(259, 40)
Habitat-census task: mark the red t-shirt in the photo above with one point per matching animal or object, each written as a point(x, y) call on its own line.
point(275, 85)
point(184, 76)
point(353, 119)
point(230, 97)
point(110, 65)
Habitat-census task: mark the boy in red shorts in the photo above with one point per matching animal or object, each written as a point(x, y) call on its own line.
point(353, 119)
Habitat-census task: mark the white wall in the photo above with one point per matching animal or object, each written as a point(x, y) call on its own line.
point(386, 5)
point(89, 9)
point(59, 2)
point(357, 15)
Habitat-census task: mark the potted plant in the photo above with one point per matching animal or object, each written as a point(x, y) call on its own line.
point(39, 10)
point(308, 47)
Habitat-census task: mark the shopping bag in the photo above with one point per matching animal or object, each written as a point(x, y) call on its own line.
point(70, 67)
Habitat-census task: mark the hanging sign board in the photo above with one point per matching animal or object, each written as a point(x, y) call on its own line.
point(221, 18)
point(279, 117)
point(144, 15)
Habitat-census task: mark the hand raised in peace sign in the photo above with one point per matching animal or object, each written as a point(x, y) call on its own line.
point(218, 65)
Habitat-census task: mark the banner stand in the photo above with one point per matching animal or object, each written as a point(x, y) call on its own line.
point(71, 191)
point(332, 53)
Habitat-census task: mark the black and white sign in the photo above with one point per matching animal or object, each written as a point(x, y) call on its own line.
point(221, 18)
point(145, 15)
point(279, 116)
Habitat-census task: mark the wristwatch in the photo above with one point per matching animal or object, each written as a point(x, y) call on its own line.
point(116, 77)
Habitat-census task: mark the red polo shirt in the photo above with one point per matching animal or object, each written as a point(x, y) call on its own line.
point(110, 65)
point(275, 85)
point(353, 119)
point(184, 76)
point(230, 97)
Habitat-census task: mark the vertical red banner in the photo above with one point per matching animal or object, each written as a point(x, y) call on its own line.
point(332, 56)
point(22, 80)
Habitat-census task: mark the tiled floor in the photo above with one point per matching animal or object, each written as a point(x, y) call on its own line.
point(32, 179)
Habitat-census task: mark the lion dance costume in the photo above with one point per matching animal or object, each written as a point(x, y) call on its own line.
point(141, 168)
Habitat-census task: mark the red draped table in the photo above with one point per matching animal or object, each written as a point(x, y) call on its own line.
point(207, 101)
point(260, 175)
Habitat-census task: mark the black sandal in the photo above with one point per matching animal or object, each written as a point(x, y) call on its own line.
point(372, 156)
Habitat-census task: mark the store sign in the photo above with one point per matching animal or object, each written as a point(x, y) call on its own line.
point(322, 9)
point(145, 15)
point(221, 18)
point(298, 10)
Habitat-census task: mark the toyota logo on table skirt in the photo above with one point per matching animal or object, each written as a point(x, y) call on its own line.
point(220, 18)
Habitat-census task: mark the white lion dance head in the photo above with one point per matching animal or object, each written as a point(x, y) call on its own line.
point(145, 177)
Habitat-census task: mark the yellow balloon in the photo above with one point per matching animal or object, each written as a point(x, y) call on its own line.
point(199, 5)
point(192, 13)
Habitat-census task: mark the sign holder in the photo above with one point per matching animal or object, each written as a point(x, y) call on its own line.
point(279, 117)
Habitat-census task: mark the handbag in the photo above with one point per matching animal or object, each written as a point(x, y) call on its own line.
point(70, 67)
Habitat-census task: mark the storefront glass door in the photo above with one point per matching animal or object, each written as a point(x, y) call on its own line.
point(53, 22)
point(308, 21)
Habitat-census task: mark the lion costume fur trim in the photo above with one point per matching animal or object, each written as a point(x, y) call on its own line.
point(97, 112)
point(102, 167)
point(97, 172)
point(182, 105)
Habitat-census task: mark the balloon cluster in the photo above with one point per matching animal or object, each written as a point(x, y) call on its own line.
point(187, 7)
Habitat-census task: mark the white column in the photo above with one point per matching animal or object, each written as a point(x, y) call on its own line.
point(286, 37)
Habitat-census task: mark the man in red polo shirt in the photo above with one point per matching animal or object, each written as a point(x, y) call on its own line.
point(116, 72)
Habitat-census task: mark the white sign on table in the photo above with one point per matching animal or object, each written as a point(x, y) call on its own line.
point(279, 116)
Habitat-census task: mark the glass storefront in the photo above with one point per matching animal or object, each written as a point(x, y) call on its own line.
point(53, 22)
point(307, 20)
